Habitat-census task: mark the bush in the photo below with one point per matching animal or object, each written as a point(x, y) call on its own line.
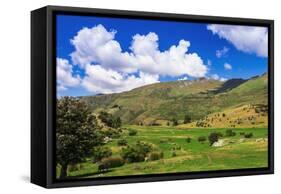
point(136, 153)
point(174, 122)
point(174, 154)
point(132, 132)
point(176, 147)
point(155, 156)
point(122, 142)
point(110, 162)
point(214, 137)
point(112, 133)
point(242, 133)
point(229, 133)
point(187, 119)
point(188, 139)
point(163, 141)
point(202, 139)
point(110, 120)
point(101, 152)
point(248, 135)
point(73, 167)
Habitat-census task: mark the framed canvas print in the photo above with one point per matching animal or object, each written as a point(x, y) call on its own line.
point(125, 96)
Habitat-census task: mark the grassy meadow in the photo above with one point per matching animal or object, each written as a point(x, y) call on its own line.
point(179, 155)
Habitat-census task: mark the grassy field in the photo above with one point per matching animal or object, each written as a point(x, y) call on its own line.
point(237, 153)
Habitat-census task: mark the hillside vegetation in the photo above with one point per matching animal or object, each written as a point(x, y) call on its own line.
point(160, 103)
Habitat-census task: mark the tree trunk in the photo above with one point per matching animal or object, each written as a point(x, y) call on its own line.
point(63, 171)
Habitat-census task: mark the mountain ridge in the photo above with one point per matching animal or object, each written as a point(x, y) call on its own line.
point(161, 102)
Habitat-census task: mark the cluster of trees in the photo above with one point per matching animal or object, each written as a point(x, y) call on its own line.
point(174, 121)
point(137, 152)
point(110, 120)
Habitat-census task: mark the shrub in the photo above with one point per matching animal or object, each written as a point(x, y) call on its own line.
point(73, 167)
point(188, 139)
point(174, 154)
point(112, 133)
point(101, 152)
point(176, 147)
point(110, 120)
point(214, 137)
point(163, 141)
point(136, 153)
point(174, 122)
point(248, 135)
point(110, 162)
point(122, 142)
point(229, 133)
point(202, 139)
point(242, 133)
point(223, 114)
point(187, 119)
point(132, 132)
point(155, 156)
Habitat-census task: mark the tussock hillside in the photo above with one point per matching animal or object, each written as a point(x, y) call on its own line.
point(161, 102)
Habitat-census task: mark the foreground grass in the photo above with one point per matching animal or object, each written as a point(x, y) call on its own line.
point(194, 156)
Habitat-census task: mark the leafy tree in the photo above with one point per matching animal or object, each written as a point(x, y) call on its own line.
point(132, 132)
point(214, 137)
point(110, 120)
point(77, 133)
point(122, 142)
point(187, 119)
point(188, 139)
point(248, 135)
point(137, 152)
point(101, 152)
point(174, 122)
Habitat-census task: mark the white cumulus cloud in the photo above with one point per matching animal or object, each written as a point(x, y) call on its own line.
point(222, 52)
point(65, 77)
point(100, 80)
point(249, 39)
point(227, 66)
point(217, 77)
point(144, 54)
point(110, 69)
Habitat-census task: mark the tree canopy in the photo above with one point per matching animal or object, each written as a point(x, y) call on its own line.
point(77, 132)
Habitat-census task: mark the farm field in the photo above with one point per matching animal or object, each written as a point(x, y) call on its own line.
point(179, 155)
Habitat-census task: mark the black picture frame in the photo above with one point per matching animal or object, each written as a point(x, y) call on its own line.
point(43, 95)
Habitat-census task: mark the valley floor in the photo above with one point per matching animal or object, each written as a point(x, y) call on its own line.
point(235, 152)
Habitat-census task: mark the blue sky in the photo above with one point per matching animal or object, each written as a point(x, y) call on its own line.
point(216, 51)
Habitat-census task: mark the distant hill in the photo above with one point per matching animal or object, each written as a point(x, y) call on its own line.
point(159, 103)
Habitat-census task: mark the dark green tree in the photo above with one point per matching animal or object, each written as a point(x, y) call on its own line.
point(213, 137)
point(187, 119)
point(174, 122)
point(110, 120)
point(77, 133)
